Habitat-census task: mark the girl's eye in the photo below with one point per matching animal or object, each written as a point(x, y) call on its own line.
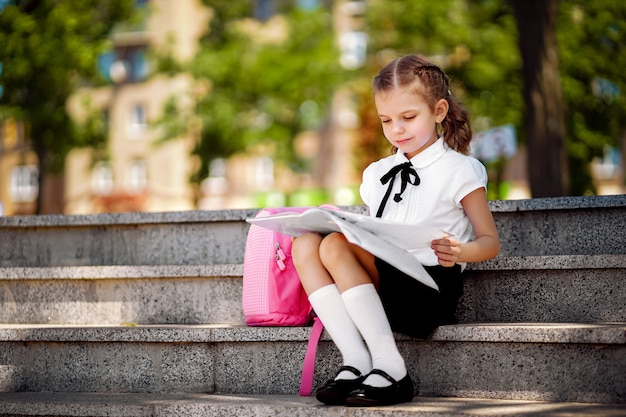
point(385, 120)
point(409, 117)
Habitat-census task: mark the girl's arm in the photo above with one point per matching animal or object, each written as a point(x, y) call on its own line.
point(487, 242)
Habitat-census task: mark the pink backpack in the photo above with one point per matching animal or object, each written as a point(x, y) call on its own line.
point(272, 292)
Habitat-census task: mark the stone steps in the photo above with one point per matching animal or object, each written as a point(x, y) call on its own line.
point(140, 314)
point(529, 361)
point(551, 226)
point(146, 294)
point(559, 288)
point(207, 405)
point(507, 289)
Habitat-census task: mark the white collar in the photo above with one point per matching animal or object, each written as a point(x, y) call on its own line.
point(426, 157)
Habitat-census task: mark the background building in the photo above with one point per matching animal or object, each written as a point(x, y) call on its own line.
point(18, 170)
point(137, 174)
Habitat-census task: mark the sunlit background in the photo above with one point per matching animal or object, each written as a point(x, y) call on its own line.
point(171, 105)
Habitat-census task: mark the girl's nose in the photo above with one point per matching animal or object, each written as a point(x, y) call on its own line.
point(398, 127)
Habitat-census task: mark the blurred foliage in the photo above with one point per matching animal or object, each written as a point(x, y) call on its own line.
point(47, 49)
point(592, 50)
point(476, 42)
point(261, 83)
point(258, 83)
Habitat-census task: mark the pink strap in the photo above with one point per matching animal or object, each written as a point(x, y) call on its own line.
point(308, 368)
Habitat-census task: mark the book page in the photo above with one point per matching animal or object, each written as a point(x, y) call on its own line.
point(404, 235)
point(388, 252)
point(295, 224)
point(324, 221)
point(387, 240)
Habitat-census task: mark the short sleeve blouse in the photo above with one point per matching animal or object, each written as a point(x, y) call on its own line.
point(446, 177)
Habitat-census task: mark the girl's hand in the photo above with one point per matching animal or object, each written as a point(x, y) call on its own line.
point(447, 249)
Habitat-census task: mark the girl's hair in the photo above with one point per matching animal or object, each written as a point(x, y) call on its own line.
point(428, 80)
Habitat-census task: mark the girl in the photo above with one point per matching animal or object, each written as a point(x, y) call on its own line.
point(361, 299)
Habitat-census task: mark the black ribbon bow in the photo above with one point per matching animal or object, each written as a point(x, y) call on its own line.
point(408, 175)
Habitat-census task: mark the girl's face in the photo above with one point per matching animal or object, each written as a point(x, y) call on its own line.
point(409, 123)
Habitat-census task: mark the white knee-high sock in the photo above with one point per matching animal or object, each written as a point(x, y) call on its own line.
point(364, 306)
point(329, 307)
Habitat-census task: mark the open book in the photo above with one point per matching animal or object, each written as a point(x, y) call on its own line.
point(389, 241)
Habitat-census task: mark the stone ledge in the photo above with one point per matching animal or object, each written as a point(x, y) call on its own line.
point(551, 262)
point(207, 405)
point(558, 203)
point(505, 263)
point(599, 333)
point(122, 272)
point(130, 218)
point(138, 218)
point(202, 216)
point(592, 333)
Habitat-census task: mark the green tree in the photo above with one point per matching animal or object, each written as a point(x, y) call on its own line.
point(47, 49)
point(474, 41)
point(477, 43)
point(592, 51)
point(258, 83)
point(544, 123)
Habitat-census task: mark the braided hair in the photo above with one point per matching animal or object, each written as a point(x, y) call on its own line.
point(428, 80)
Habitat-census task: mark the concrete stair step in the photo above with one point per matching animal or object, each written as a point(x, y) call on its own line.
point(551, 226)
point(532, 361)
point(144, 294)
point(558, 288)
point(562, 225)
point(507, 289)
point(173, 238)
point(177, 275)
point(207, 405)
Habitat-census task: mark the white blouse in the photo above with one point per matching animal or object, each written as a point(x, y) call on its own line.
point(446, 177)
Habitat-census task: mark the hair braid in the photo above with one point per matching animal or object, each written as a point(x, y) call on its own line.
point(433, 84)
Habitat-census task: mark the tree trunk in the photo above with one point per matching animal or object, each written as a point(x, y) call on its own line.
point(42, 155)
point(622, 169)
point(543, 120)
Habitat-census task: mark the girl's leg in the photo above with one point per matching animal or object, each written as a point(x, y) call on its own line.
point(354, 271)
point(326, 300)
point(305, 254)
point(367, 312)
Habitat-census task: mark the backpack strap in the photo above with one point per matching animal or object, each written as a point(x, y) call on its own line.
point(308, 368)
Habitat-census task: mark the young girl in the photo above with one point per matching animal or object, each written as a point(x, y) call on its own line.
point(361, 299)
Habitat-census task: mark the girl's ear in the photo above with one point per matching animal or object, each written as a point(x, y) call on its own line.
point(441, 110)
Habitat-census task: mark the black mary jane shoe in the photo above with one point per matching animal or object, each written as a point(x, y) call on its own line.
point(398, 392)
point(336, 390)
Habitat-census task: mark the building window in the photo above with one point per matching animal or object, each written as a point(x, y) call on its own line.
point(102, 179)
point(137, 178)
point(308, 4)
point(216, 183)
point(125, 64)
point(607, 167)
point(138, 121)
point(264, 173)
point(353, 49)
point(24, 185)
point(264, 9)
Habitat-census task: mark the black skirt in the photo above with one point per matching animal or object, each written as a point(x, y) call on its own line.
point(415, 309)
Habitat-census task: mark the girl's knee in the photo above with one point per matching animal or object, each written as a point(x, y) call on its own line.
point(333, 246)
point(305, 246)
